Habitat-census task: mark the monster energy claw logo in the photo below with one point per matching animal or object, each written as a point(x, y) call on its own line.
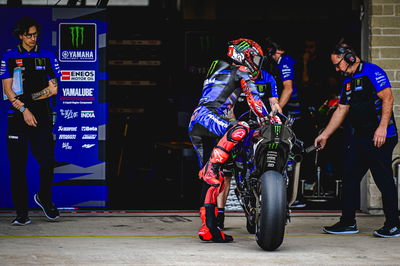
point(277, 129)
point(242, 46)
point(211, 70)
point(78, 42)
point(77, 34)
point(272, 145)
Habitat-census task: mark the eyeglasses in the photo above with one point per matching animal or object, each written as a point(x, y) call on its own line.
point(337, 64)
point(30, 35)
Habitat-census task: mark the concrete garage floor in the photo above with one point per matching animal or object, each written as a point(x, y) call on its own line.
point(169, 238)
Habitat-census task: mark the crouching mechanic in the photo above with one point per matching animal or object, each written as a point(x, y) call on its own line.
point(210, 122)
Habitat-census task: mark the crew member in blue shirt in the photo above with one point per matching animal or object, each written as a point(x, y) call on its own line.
point(367, 100)
point(282, 68)
point(30, 118)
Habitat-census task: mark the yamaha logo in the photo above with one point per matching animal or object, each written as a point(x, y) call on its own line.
point(77, 42)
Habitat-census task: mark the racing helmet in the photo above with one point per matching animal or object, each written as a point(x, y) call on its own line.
point(247, 53)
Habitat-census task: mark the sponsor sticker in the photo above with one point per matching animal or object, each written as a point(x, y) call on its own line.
point(77, 94)
point(88, 146)
point(78, 75)
point(66, 146)
point(69, 129)
point(89, 136)
point(88, 128)
point(77, 42)
point(348, 86)
point(68, 114)
point(67, 136)
point(87, 114)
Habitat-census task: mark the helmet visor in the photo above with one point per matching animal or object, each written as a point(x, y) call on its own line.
point(258, 60)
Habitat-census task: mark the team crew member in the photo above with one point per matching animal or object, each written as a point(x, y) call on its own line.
point(266, 85)
point(30, 117)
point(210, 122)
point(282, 67)
point(366, 98)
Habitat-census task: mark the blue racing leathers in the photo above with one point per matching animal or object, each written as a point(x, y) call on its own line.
point(214, 114)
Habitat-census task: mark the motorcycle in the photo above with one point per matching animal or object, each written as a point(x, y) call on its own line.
point(266, 167)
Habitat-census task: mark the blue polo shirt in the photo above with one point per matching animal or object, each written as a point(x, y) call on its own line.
point(266, 85)
point(37, 66)
point(285, 67)
point(360, 92)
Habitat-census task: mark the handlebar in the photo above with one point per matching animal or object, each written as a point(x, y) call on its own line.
point(297, 142)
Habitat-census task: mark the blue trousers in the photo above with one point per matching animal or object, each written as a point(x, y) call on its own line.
point(361, 155)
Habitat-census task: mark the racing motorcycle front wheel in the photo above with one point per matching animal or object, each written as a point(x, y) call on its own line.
point(271, 222)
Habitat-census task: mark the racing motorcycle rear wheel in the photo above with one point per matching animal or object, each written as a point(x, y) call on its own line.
point(271, 223)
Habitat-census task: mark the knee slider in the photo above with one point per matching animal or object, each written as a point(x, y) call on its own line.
point(238, 132)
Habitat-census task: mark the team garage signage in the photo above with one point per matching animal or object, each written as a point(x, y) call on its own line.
point(80, 124)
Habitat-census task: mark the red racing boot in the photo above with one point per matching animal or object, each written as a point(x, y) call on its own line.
point(208, 230)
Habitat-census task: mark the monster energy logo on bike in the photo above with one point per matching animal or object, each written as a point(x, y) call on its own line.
point(272, 145)
point(77, 34)
point(77, 42)
point(277, 129)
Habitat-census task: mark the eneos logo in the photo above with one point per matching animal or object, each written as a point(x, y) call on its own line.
point(77, 42)
point(78, 75)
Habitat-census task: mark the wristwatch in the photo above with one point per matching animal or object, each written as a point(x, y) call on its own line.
point(22, 109)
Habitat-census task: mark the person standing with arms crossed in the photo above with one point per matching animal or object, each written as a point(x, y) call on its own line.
point(30, 117)
point(366, 98)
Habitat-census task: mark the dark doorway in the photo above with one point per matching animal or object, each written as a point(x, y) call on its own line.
point(157, 59)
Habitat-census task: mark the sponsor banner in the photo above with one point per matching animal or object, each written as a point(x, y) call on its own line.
point(79, 112)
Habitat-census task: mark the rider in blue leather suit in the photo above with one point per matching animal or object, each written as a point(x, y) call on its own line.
point(213, 120)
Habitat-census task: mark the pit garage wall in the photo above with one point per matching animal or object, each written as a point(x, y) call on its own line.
point(383, 49)
point(80, 158)
point(81, 108)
